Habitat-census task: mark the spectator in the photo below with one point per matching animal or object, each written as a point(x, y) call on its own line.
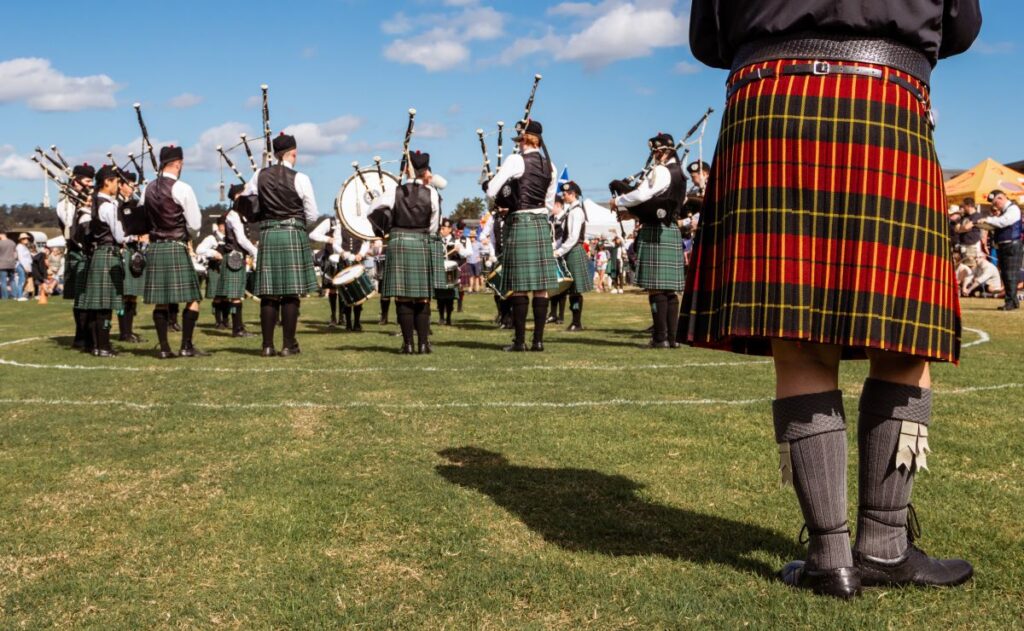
point(55, 263)
point(1006, 220)
point(8, 263)
point(963, 223)
point(40, 270)
point(474, 260)
point(601, 266)
point(23, 267)
point(983, 277)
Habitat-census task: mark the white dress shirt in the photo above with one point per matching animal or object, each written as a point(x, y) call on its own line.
point(207, 248)
point(387, 200)
point(1009, 216)
point(303, 186)
point(323, 231)
point(107, 213)
point(572, 229)
point(233, 222)
point(66, 215)
point(514, 168)
point(653, 185)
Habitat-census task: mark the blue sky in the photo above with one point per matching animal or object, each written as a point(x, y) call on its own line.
point(343, 73)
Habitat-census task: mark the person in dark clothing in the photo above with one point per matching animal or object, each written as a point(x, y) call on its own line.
point(783, 269)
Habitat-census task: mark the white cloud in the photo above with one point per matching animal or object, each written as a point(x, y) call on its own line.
point(993, 48)
point(203, 155)
point(324, 138)
point(308, 52)
point(444, 43)
point(253, 102)
point(17, 167)
point(184, 101)
point(686, 67)
point(606, 32)
point(430, 131)
point(42, 87)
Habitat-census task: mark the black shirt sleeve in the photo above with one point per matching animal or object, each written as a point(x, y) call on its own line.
point(961, 23)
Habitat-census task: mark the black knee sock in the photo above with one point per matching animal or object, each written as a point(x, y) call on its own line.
point(161, 320)
point(406, 320)
point(451, 309)
point(225, 312)
point(92, 320)
point(332, 298)
point(236, 318)
point(188, 327)
point(520, 307)
point(671, 314)
point(576, 306)
point(128, 328)
point(346, 314)
point(121, 325)
point(268, 320)
point(80, 325)
point(659, 311)
point(540, 316)
point(172, 313)
point(103, 322)
point(423, 322)
point(462, 296)
point(290, 318)
point(357, 313)
point(385, 307)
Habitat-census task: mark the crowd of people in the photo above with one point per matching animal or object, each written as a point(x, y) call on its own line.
point(987, 249)
point(28, 269)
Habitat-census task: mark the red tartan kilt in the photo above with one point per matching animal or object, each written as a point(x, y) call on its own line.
point(824, 221)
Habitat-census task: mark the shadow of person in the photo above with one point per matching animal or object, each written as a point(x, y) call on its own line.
point(589, 511)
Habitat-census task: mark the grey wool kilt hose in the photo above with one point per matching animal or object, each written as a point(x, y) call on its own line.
point(659, 253)
point(104, 285)
point(284, 262)
point(528, 259)
point(170, 277)
point(576, 261)
point(410, 267)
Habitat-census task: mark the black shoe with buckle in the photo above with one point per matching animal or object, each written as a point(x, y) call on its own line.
point(192, 351)
point(425, 348)
point(242, 333)
point(288, 351)
point(842, 582)
point(661, 344)
point(407, 349)
point(516, 347)
point(575, 327)
point(268, 351)
point(551, 320)
point(537, 347)
point(103, 352)
point(166, 355)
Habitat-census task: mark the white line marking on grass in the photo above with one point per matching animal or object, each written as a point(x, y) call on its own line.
point(983, 337)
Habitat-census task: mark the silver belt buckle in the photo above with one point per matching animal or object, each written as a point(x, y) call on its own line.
point(821, 68)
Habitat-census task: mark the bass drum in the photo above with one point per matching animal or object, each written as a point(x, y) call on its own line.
point(352, 204)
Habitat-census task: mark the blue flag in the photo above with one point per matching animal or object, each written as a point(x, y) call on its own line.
point(564, 177)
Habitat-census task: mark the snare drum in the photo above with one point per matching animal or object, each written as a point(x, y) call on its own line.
point(496, 282)
point(451, 274)
point(564, 277)
point(354, 285)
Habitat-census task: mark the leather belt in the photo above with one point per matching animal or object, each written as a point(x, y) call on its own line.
point(823, 69)
point(882, 52)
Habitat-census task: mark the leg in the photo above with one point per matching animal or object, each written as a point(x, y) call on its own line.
point(172, 317)
point(672, 318)
point(332, 299)
point(406, 311)
point(188, 326)
point(520, 305)
point(540, 316)
point(161, 320)
point(659, 316)
point(576, 307)
point(385, 307)
point(290, 324)
point(357, 315)
point(269, 311)
point(422, 314)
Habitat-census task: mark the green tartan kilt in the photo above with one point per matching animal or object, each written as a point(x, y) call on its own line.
point(437, 259)
point(104, 284)
point(382, 276)
point(659, 253)
point(284, 262)
point(231, 283)
point(170, 277)
point(528, 258)
point(212, 281)
point(133, 285)
point(576, 261)
point(613, 266)
point(409, 271)
point(76, 266)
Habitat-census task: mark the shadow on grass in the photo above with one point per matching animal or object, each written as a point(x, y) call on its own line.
point(589, 511)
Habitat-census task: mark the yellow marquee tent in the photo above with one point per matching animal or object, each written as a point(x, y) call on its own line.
point(985, 177)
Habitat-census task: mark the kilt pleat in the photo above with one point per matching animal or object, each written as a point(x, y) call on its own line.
point(409, 271)
point(284, 265)
point(528, 258)
point(437, 258)
point(104, 285)
point(170, 277)
point(576, 261)
point(76, 266)
point(660, 262)
point(133, 285)
point(212, 282)
point(824, 221)
point(231, 283)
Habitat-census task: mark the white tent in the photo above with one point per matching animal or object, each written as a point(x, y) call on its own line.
point(601, 222)
point(56, 242)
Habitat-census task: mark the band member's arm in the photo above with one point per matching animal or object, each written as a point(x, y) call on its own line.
point(108, 214)
point(207, 248)
point(234, 224)
point(513, 167)
point(960, 26)
point(435, 211)
point(186, 198)
point(320, 233)
point(572, 235)
point(656, 184)
point(66, 215)
point(305, 190)
point(364, 250)
point(549, 198)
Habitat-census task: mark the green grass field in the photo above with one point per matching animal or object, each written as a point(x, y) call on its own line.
point(596, 485)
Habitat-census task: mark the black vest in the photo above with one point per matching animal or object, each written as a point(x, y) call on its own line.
point(664, 208)
point(1010, 233)
point(81, 232)
point(349, 242)
point(101, 232)
point(412, 209)
point(230, 242)
point(166, 216)
point(531, 190)
point(278, 199)
point(133, 219)
point(583, 226)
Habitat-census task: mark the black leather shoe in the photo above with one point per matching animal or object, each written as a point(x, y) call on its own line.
point(673, 344)
point(268, 351)
point(220, 326)
point(242, 333)
point(192, 351)
point(913, 568)
point(166, 355)
point(843, 582)
point(575, 327)
point(515, 348)
point(537, 347)
point(288, 351)
point(358, 328)
point(426, 349)
point(407, 349)
point(174, 326)
point(134, 338)
point(382, 321)
point(551, 319)
point(662, 344)
point(103, 352)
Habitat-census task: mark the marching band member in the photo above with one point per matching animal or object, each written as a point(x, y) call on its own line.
point(105, 277)
point(73, 215)
point(800, 254)
point(689, 219)
point(134, 278)
point(528, 263)
point(452, 252)
point(655, 204)
point(284, 266)
point(327, 232)
point(556, 312)
point(233, 269)
point(353, 251)
point(212, 250)
point(415, 209)
point(574, 229)
point(170, 277)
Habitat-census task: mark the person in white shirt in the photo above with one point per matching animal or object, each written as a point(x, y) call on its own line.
point(234, 250)
point(210, 251)
point(983, 275)
point(352, 251)
point(1006, 220)
point(327, 232)
point(23, 270)
point(571, 249)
